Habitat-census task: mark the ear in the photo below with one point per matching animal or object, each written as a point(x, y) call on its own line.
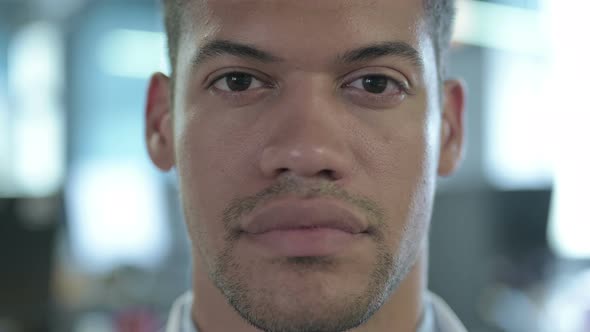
point(158, 121)
point(452, 130)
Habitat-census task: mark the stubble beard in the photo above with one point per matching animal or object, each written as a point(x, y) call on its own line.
point(261, 308)
point(264, 306)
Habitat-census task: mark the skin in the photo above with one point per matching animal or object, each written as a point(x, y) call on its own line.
point(308, 129)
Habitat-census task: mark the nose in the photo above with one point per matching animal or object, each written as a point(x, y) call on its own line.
point(309, 139)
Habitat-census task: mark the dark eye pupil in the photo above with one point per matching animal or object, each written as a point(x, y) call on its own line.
point(238, 81)
point(375, 84)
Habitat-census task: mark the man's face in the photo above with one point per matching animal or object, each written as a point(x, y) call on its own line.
point(307, 138)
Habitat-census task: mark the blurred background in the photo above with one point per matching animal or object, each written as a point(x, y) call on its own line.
point(91, 235)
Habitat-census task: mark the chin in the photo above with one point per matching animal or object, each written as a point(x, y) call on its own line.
point(306, 293)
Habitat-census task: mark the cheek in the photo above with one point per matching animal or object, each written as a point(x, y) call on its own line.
point(401, 166)
point(211, 159)
point(403, 150)
point(404, 171)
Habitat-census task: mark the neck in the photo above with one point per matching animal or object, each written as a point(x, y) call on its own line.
point(402, 312)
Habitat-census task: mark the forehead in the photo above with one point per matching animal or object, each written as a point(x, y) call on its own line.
point(307, 34)
point(395, 10)
point(330, 23)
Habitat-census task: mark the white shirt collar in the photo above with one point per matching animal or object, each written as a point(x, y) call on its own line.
point(180, 315)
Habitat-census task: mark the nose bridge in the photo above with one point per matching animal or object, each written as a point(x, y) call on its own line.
point(310, 115)
point(308, 138)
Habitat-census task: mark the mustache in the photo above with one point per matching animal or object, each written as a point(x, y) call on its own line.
point(290, 185)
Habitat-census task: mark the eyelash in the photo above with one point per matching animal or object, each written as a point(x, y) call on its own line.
point(397, 83)
point(378, 97)
point(218, 78)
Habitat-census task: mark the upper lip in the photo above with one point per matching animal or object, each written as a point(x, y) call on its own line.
point(293, 214)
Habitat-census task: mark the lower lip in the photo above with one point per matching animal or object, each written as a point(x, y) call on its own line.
point(304, 242)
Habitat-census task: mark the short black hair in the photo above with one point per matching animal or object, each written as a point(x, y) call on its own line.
point(440, 17)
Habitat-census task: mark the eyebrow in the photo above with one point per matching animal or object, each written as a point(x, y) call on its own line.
point(375, 51)
point(216, 48)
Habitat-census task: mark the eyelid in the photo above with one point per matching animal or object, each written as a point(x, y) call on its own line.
point(214, 77)
point(404, 84)
point(254, 84)
point(389, 78)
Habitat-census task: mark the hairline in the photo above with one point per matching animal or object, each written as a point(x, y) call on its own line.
point(439, 17)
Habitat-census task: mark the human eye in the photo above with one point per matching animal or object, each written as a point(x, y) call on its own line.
point(376, 84)
point(376, 90)
point(236, 82)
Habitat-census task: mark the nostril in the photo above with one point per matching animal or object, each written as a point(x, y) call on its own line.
point(282, 170)
point(328, 174)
